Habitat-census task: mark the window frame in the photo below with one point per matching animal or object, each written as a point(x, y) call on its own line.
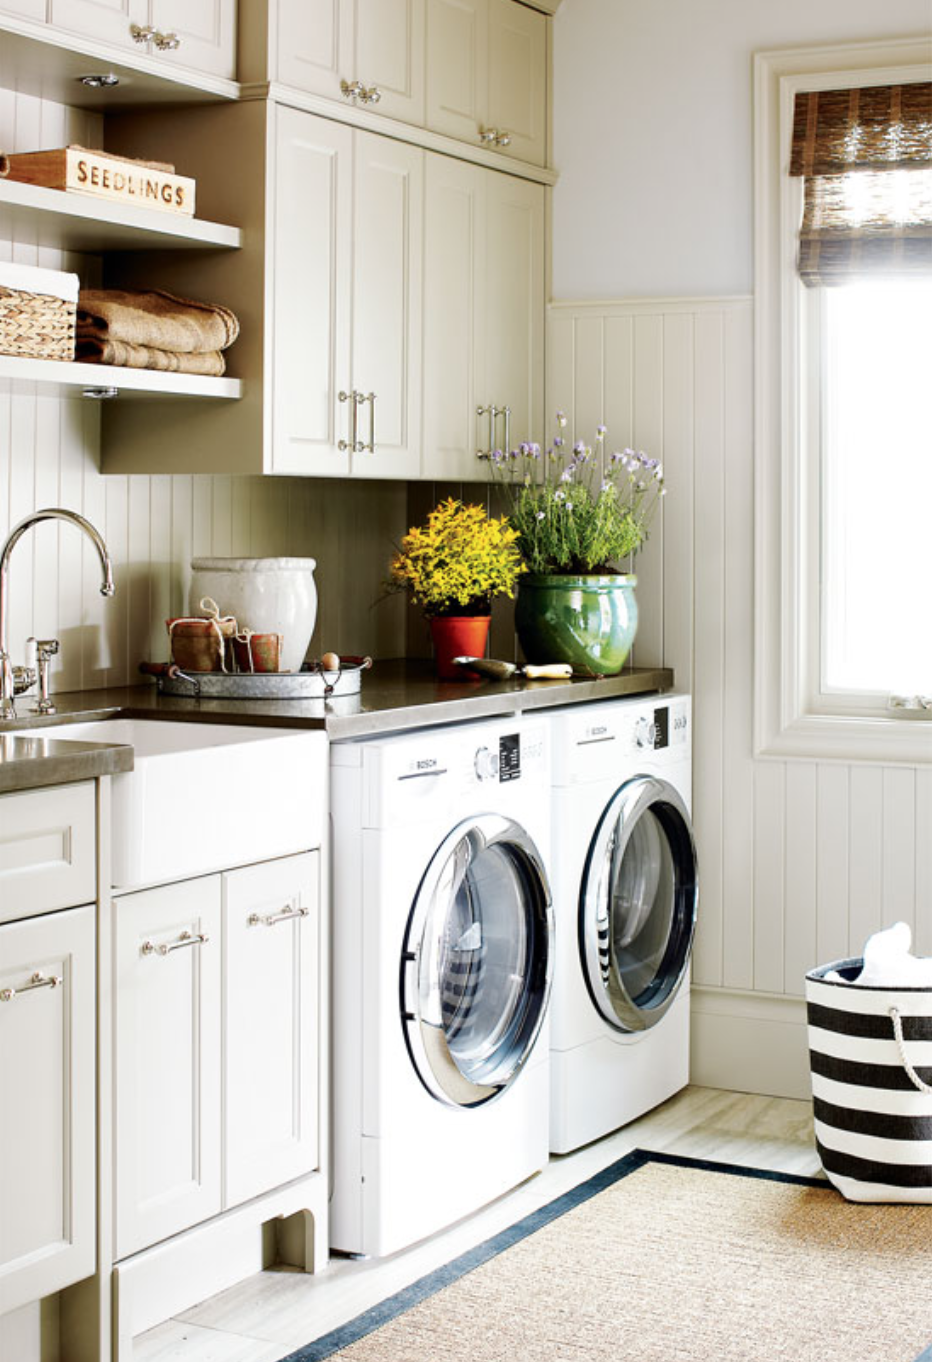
point(789, 719)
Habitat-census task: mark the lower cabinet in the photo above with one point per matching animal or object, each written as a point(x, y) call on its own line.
point(48, 1094)
point(215, 1034)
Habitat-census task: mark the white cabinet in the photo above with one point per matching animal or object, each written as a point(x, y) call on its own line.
point(47, 850)
point(216, 1033)
point(196, 34)
point(365, 52)
point(487, 75)
point(271, 1026)
point(483, 316)
point(345, 265)
point(26, 9)
point(48, 1087)
point(167, 1060)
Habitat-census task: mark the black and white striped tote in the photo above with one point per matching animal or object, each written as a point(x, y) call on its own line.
point(871, 1055)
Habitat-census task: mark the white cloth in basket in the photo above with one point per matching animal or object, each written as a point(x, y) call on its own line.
point(889, 963)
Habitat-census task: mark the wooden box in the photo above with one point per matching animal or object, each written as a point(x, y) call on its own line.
point(146, 184)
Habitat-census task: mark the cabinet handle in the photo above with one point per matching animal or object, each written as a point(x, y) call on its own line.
point(350, 444)
point(352, 89)
point(488, 136)
point(141, 34)
point(37, 980)
point(273, 919)
point(362, 446)
point(503, 139)
point(371, 94)
point(167, 42)
point(492, 412)
point(506, 412)
point(166, 947)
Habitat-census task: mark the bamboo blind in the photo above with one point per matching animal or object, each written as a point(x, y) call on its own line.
point(866, 157)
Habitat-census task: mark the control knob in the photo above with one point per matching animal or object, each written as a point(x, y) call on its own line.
point(644, 732)
point(486, 764)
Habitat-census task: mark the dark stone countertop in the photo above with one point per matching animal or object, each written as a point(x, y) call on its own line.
point(28, 761)
point(395, 695)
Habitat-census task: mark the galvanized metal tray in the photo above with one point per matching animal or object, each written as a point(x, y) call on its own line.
point(313, 683)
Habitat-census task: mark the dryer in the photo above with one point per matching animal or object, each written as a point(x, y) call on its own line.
point(443, 951)
point(625, 895)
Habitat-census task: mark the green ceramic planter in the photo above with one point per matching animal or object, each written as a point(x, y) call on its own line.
point(589, 622)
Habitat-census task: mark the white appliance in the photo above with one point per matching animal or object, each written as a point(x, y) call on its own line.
point(443, 947)
point(625, 895)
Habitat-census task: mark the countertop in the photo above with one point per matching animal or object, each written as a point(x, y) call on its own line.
point(29, 761)
point(395, 695)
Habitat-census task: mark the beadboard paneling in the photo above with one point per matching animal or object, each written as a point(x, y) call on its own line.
point(799, 860)
point(153, 526)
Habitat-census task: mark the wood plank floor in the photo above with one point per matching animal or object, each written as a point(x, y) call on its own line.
point(273, 1313)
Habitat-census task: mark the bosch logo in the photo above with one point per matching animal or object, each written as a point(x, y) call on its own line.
point(598, 731)
point(427, 764)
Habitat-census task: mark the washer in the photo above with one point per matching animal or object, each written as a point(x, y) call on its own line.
point(443, 941)
point(625, 895)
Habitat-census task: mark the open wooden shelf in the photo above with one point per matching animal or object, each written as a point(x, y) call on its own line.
point(131, 383)
point(30, 213)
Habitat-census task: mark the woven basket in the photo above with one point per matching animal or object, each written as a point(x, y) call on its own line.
point(36, 325)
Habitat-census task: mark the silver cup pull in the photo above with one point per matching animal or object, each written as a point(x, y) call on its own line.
point(37, 980)
point(273, 919)
point(166, 947)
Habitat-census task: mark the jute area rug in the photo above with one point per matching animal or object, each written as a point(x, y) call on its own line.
point(664, 1259)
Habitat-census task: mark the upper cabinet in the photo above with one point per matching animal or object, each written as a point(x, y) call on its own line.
point(368, 53)
point(487, 75)
point(473, 70)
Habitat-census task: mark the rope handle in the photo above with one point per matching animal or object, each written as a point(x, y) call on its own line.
point(904, 1058)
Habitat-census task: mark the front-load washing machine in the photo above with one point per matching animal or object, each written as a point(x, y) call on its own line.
point(625, 893)
point(443, 949)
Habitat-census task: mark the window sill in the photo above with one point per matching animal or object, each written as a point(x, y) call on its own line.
point(845, 738)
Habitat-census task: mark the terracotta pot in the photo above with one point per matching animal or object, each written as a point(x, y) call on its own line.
point(458, 636)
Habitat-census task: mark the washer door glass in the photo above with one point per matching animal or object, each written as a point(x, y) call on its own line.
point(638, 904)
point(477, 965)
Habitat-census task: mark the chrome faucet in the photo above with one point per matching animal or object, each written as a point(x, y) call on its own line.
point(15, 680)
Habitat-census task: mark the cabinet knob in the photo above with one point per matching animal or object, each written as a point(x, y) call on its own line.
point(167, 42)
point(503, 139)
point(352, 89)
point(371, 94)
point(141, 33)
point(488, 136)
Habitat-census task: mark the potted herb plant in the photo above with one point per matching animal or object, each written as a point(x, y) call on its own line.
point(580, 514)
point(452, 567)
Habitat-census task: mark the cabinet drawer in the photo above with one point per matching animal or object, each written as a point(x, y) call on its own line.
point(47, 850)
point(47, 1082)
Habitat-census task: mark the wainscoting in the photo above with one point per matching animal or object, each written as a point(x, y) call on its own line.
point(49, 456)
point(799, 860)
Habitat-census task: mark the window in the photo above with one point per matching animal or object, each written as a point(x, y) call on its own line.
point(843, 399)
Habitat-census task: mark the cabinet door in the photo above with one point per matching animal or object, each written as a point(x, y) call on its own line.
point(311, 283)
point(454, 321)
point(271, 1024)
point(27, 9)
point(48, 1087)
point(514, 303)
point(387, 281)
point(389, 55)
point(517, 99)
point(167, 1060)
point(457, 73)
point(109, 21)
point(206, 33)
point(314, 45)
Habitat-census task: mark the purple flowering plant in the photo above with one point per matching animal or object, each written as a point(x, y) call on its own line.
point(578, 509)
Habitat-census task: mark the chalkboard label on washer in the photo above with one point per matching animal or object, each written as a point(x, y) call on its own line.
point(509, 757)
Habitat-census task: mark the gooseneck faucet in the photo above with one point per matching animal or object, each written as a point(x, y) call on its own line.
point(9, 683)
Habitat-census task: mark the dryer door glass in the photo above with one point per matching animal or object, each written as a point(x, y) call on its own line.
point(478, 961)
point(638, 904)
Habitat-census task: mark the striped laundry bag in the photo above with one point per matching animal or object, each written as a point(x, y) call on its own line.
point(871, 1055)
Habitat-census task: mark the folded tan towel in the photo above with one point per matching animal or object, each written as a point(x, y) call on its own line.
point(93, 350)
point(155, 319)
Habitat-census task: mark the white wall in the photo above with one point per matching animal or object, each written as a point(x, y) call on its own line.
point(652, 131)
point(799, 860)
point(154, 525)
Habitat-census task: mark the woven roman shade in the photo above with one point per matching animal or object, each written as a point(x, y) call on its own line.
point(866, 159)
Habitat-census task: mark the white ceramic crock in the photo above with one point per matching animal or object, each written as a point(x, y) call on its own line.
point(266, 595)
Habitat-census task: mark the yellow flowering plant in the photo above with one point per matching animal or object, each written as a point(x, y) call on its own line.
point(458, 561)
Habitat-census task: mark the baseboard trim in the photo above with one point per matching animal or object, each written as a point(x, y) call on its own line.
point(749, 1042)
